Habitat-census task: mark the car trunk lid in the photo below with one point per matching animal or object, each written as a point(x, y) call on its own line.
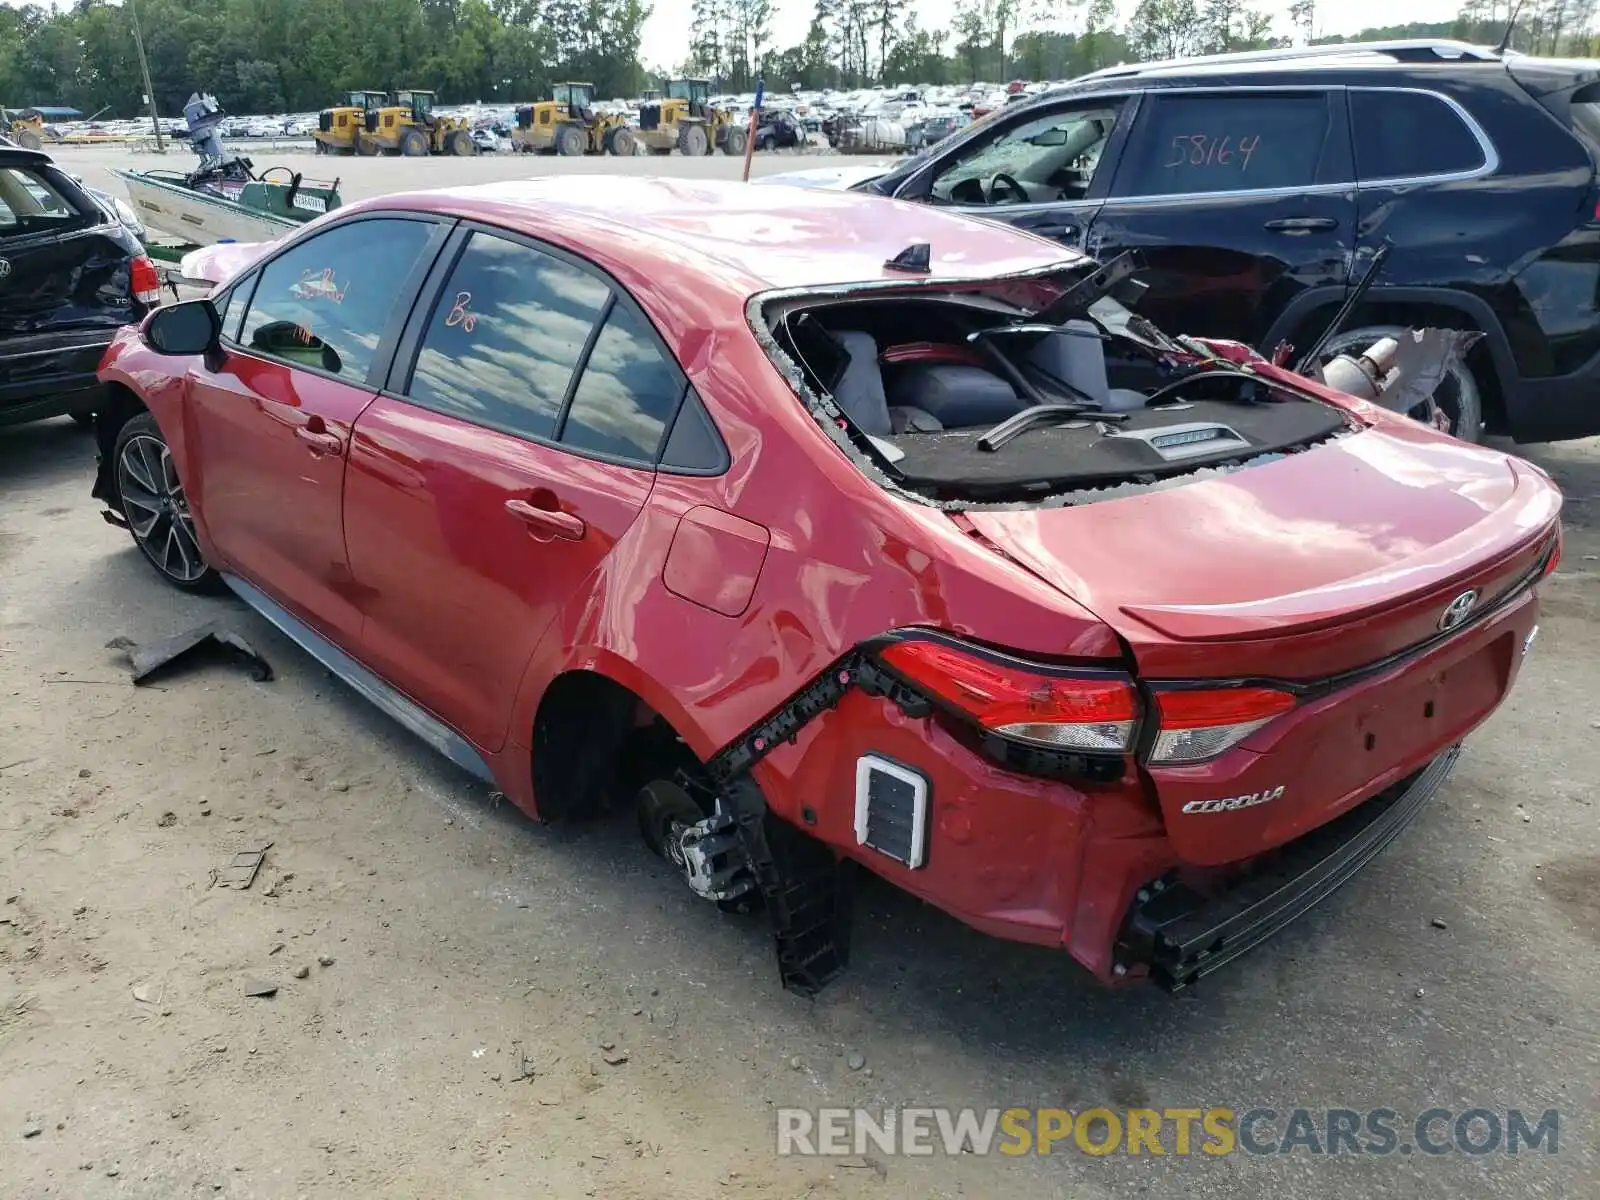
point(1331, 570)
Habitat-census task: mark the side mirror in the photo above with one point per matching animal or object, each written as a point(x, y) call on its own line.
point(192, 327)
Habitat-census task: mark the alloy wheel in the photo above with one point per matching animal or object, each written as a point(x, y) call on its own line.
point(157, 509)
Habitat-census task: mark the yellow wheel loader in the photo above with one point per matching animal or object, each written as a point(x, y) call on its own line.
point(685, 120)
point(568, 124)
point(411, 127)
point(348, 126)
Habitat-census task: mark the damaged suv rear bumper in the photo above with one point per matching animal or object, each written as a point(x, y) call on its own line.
point(1179, 936)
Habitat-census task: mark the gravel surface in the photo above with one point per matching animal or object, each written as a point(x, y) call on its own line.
point(470, 1005)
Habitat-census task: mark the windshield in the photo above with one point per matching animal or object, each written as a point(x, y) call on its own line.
point(1053, 158)
point(680, 89)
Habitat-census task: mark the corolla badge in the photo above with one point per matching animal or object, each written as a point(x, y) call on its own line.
point(5, 267)
point(1235, 803)
point(1459, 609)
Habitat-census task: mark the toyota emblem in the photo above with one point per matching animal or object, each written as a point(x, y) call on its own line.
point(5, 267)
point(1459, 609)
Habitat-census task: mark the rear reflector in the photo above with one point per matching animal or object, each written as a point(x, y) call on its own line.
point(1094, 712)
point(146, 283)
point(1200, 723)
point(892, 809)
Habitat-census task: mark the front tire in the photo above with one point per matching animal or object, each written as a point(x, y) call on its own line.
point(1459, 395)
point(692, 141)
point(623, 143)
point(157, 507)
point(461, 144)
point(571, 141)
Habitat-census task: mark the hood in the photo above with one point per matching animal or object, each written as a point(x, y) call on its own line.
point(837, 179)
point(1317, 563)
point(221, 262)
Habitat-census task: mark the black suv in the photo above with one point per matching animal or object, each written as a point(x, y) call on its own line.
point(71, 274)
point(1258, 187)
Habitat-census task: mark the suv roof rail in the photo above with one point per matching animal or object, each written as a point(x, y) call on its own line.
point(1413, 50)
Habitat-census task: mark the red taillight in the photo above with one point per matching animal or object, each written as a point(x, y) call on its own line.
point(1064, 710)
point(1554, 561)
point(1200, 723)
point(146, 283)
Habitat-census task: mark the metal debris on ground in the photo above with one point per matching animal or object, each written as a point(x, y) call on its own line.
point(146, 661)
point(615, 1058)
point(261, 989)
point(241, 871)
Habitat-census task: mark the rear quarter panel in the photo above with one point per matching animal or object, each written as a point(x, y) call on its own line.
point(845, 562)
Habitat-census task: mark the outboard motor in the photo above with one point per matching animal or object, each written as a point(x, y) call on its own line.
point(203, 114)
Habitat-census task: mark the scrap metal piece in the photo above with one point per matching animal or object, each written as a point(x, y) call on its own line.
point(1421, 360)
point(147, 660)
point(240, 872)
point(1401, 373)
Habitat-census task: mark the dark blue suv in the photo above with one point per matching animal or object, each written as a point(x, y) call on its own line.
point(1259, 186)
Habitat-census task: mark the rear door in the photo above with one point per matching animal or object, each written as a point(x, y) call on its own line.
point(490, 482)
point(1039, 171)
point(1239, 200)
point(270, 424)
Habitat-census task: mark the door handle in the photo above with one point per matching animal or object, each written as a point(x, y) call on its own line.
point(1067, 233)
point(548, 520)
point(1301, 224)
point(319, 439)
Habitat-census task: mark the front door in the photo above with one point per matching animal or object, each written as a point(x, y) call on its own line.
point(272, 424)
point(489, 487)
point(1040, 173)
point(1238, 202)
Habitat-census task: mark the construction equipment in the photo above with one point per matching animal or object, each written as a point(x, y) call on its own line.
point(686, 120)
point(568, 124)
point(31, 128)
point(347, 127)
point(410, 126)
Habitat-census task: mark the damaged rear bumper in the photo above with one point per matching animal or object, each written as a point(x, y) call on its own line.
point(1179, 936)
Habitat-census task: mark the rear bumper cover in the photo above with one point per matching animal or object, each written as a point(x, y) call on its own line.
point(1180, 937)
point(47, 376)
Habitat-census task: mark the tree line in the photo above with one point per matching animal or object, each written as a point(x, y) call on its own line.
point(855, 43)
point(262, 56)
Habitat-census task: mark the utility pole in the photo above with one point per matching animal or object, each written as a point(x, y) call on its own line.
point(144, 67)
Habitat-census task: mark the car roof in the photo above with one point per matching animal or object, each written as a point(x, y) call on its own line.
point(687, 236)
point(12, 155)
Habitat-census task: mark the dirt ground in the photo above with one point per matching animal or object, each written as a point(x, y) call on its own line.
point(471, 1005)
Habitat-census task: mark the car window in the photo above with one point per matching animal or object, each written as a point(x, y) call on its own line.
point(1193, 144)
point(1051, 158)
point(627, 393)
point(230, 308)
point(31, 204)
point(1404, 135)
point(505, 336)
point(326, 302)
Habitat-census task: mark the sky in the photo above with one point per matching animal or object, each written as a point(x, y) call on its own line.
point(665, 42)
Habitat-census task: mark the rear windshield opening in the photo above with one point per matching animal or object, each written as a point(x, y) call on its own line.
point(30, 203)
point(967, 399)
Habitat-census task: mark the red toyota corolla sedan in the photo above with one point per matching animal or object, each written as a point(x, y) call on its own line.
point(837, 533)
